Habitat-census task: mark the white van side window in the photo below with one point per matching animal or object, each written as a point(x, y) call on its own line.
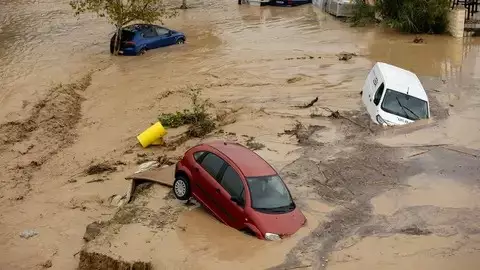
point(378, 94)
point(375, 77)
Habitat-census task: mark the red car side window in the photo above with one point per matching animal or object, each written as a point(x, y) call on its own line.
point(198, 156)
point(212, 164)
point(232, 183)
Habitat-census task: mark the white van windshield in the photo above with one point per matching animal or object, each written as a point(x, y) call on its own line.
point(404, 105)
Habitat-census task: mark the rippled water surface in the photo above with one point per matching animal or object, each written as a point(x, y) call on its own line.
point(42, 43)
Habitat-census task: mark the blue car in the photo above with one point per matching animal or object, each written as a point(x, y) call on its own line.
point(139, 38)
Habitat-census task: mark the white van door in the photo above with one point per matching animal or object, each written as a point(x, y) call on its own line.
point(368, 89)
point(371, 90)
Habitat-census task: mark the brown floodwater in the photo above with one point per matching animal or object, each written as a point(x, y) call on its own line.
point(245, 55)
point(42, 43)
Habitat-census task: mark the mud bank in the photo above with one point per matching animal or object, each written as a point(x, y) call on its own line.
point(92, 260)
point(25, 145)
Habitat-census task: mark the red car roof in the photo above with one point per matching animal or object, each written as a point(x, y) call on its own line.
point(248, 161)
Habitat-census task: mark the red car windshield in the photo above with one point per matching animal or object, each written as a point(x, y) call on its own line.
point(269, 194)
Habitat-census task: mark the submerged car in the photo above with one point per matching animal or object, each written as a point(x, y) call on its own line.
point(239, 188)
point(136, 39)
point(394, 96)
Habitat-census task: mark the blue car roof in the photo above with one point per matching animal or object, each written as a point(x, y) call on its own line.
point(139, 27)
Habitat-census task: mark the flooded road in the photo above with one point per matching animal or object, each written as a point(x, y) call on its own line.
point(256, 64)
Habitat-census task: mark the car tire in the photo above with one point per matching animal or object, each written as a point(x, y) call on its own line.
point(142, 51)
point(181, 188)
point(112, 41)
point(180, 41)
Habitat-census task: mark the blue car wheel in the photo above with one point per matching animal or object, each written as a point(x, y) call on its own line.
point(142, 51)
point(180, 41)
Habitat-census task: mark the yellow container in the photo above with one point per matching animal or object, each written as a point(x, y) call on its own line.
point(151, 134)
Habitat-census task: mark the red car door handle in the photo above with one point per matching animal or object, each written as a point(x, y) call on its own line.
point(217, 190)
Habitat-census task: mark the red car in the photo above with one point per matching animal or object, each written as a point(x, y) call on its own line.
point(240, 188)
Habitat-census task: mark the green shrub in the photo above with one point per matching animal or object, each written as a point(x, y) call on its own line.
point(415, 16)
point(411, 16)
point(200, 121)
point(363, 14)
point(177, 119)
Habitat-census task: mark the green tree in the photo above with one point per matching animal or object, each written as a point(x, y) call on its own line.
point(122, 12)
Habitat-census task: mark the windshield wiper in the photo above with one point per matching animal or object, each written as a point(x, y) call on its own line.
point(405, 108)
point(274, 210)
point(279, 209)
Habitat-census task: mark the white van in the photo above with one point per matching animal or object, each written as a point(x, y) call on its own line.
point(394, 96)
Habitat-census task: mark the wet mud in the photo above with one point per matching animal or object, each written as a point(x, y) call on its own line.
point(92, 260)
point(25, 145)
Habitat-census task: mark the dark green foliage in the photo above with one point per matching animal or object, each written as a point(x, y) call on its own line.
point(411, 16)
point(415, 16)
point(177, 119)
point(363, 14)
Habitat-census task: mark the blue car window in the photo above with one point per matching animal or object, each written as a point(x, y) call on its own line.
point(161, 31)
point(149, 33)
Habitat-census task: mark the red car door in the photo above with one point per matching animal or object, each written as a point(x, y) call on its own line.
point(198, 174)
point(231, 186)
point(205, 177)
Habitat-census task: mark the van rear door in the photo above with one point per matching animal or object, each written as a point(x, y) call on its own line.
point(370, 88)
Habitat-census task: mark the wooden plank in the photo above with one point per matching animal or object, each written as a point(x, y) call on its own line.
point(163, 176)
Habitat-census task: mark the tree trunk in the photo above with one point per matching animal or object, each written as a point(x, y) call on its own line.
point(184, 4)
point(118, 40)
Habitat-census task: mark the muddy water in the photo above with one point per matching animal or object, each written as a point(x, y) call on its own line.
point(43, 44)
point(243, 57)
point(422, 191)
point(408, 252)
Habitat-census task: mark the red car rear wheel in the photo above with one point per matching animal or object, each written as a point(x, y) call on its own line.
point(181, 188)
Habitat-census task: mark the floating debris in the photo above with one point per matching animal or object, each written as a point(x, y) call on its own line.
point(100, 168)
point(28, 234)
